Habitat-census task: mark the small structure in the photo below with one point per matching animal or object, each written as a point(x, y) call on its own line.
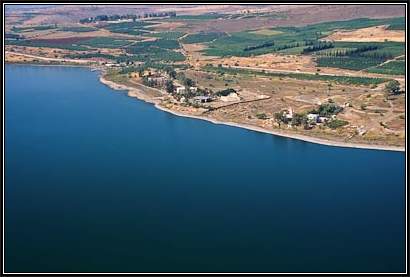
point(201, 99)
point(193, 89)
point(361, 130)
point(322, 119)
point(289, 114)
point(313, 117)
point(180, 90)
point(111, 65)
point(231, 97)
point(159, 81)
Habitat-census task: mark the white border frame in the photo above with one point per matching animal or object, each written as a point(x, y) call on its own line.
point(186, 273)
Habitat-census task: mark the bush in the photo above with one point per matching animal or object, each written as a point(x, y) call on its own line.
point(262, 116)
point(336, 123)
point(225, 92)
point(328, 109)
point(299, 119)
point(393, 87)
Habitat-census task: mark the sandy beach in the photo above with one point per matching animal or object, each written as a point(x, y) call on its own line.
point(133, 92)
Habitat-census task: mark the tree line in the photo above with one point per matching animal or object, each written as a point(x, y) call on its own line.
point(263, 45)
point(134, 17)
point(362, 51)
point(317, 47)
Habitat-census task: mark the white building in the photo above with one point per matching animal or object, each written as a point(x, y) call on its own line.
point(323, 119)
point(201, 99)
point(180, 90)
point(111, 65)
point(313, 117)
point(289, 113)
point(193, 89)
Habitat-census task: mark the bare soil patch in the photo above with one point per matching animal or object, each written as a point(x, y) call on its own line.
point(371, 34)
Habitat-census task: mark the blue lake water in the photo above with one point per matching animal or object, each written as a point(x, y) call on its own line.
point(96, 181)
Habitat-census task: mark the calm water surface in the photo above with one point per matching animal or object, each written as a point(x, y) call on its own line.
point(98, 181)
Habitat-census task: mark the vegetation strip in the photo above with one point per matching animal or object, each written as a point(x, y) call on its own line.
point(300, 76)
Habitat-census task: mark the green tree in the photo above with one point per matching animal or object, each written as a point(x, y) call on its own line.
point(299, 119)
point(188, 82)
point(169, 86)
point(393, 87)
point(140, 71)
point(172, 74)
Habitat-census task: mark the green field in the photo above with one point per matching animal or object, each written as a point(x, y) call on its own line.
point(392, 68)
point(106, 42)
point(333, 51)
point(154, 51)
point(31, 43)
point(300, 76)
point(354, 24)
point(130, 28)
point(353, 63)
point(339, 56)
point(154, 54)
point(292, 50)
point(32, 28)
point(144, 46)
point(90, 55)
point(286, 38)
point(100, 42)
point(236, 43)
point(400, 24)
point(166, 35)
point(202, 37)
point(393, 48)
point(80, 29)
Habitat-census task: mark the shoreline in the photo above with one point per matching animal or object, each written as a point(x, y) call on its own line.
point(133, 92)
point(51, 64)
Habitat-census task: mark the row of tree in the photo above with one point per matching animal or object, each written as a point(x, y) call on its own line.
point(295, 44)
point(363, 51)
point(263, 45)
point(317, 47)
point(134, 17)
point(360, 50)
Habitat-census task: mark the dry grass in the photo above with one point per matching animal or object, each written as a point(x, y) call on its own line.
point(371, 34)
point(303, 96)
point(267, 32)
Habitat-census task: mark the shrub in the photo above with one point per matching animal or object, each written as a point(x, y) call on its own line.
point(393, 87)
point(262, 116)
point(225, 92)
point(336, 123)
point(328, 109)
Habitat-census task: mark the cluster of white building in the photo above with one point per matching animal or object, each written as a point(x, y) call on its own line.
point(182, 90)
point(312, 117)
